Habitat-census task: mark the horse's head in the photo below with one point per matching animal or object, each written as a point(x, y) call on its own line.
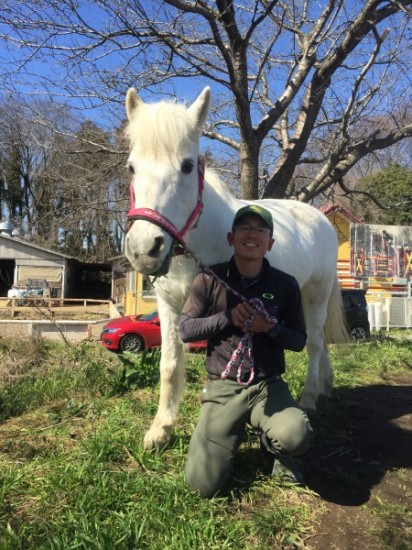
point(164, 151)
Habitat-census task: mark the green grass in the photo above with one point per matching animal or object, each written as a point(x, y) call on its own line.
point(74, 474)
point(393, 526)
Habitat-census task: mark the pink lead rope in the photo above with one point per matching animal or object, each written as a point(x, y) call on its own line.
point(245, 346)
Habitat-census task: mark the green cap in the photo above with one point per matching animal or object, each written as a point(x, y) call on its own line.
point(264, 214)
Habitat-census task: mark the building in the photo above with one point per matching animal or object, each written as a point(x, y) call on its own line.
point(30, 266)
point(341, 219)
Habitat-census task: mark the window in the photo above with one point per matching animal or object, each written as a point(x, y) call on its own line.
point(131, 281)
point(147, 287)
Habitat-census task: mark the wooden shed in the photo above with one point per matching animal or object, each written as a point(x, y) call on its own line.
point(341, 219)
point(24, 264)
point(28, 265)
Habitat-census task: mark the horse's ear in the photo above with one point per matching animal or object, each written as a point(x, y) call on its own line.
point(132, 103)
point(200, 108)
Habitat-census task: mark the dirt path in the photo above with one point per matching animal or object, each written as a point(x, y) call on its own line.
point(362, 470)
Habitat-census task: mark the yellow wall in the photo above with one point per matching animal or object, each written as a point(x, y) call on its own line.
point(342, 228)
point(137, 302)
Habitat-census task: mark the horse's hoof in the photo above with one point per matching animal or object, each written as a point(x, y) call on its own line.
point(156, 438)
point(326, 392)
point(325, 387)
point(308, 404)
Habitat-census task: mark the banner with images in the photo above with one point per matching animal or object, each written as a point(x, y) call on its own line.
point(381, 251)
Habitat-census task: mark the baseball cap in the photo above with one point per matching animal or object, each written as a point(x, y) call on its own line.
point(256, 209)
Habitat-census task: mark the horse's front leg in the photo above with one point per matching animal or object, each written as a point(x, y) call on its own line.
point(172, 379)
point(310, 391)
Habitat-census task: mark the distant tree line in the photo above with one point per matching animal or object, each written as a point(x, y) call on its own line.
point(63, 181)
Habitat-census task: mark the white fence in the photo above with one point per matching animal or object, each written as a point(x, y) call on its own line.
point(385, 313)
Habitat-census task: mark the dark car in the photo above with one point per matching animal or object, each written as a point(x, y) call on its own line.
point(356, 312)
point(136, 333)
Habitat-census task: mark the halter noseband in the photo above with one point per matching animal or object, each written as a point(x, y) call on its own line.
point(155, 217)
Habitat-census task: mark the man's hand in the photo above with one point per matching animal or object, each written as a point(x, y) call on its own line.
point(260, 324)
point(240, 313)
point(244, 310)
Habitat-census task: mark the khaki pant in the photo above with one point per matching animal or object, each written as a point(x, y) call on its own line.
point(226, 409)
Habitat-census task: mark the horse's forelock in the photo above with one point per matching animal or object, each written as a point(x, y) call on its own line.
point(160, 128)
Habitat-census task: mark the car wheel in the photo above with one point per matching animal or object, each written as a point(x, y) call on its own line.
point(132, 342)
point(358, 334)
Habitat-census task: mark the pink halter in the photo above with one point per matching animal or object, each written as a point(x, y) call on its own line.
point(152, 216)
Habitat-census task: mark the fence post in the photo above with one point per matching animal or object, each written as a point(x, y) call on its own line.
point(371, 315)
point(378, 316)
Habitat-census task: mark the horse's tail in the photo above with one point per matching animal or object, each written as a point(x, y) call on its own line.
point(336, 329)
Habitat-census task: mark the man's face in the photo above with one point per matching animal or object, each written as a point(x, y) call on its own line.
point(250, 238)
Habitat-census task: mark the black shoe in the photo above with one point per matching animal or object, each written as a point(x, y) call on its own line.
point(284, 466)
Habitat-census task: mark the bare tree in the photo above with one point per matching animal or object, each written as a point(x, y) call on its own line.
point(301, 87)
point(91, 200)
point(63, 179)
point(27, 150)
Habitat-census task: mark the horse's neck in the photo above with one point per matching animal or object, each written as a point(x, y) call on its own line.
point(217, 195)
point(209, 239)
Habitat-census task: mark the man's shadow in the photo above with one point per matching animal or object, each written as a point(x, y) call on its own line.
point(360, 434)
point(358, 438)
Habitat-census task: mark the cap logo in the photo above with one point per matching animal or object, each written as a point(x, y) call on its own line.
point(258, 210)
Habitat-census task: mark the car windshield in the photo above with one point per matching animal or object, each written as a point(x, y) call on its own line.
point(148, 316)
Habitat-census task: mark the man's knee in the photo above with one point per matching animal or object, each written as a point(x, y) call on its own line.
point(292, 432)
point(208, 468)
point(199, 483)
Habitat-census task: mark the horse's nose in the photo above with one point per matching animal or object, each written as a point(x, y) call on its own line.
point(130, 250)
point(157, 247)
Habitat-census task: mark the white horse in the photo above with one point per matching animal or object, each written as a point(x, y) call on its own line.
point(166, 194)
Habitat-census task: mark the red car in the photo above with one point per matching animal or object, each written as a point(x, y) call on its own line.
point(136, 333)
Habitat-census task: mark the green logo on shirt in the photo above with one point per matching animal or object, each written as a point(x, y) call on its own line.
point(268, 296)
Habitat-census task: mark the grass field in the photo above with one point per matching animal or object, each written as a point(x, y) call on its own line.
point(74, 474)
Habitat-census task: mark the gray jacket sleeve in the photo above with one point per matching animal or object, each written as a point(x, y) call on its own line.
point(195, 323)
point(202, 328)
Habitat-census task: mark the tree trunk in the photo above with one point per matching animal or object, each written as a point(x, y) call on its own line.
point(249, 170)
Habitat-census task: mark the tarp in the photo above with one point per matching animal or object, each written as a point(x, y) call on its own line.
point(381, 251)
point(50, 274)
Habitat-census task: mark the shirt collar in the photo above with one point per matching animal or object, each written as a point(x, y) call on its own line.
point(233, 272)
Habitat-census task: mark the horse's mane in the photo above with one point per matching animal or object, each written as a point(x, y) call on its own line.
point(160, 128)
point(220, 186)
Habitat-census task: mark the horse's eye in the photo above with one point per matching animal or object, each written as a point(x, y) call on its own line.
point(130, 168)
point(187, 166)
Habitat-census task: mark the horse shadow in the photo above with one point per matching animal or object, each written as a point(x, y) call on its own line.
point(360, 434)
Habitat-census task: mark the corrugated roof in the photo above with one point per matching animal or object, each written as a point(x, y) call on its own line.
point(36, 246)
point(337, 208)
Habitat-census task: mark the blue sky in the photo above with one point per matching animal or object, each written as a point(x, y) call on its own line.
point(47, 77)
